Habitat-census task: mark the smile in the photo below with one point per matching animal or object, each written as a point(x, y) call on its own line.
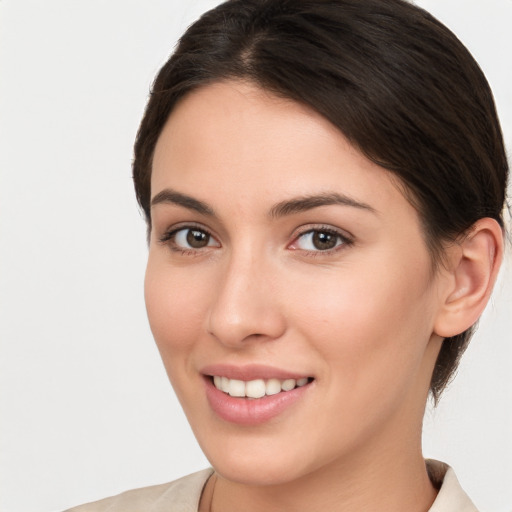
point(254, 395)
point(257, 388)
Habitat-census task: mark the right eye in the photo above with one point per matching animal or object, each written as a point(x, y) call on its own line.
point(189, 239)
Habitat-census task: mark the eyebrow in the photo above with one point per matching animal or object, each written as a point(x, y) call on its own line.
point(168, 196)
point(281, 209)
point(305, 203)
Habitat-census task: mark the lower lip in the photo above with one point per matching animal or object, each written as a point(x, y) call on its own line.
point(245, 411)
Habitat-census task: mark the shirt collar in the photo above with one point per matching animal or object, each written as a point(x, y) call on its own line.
point(451, 496)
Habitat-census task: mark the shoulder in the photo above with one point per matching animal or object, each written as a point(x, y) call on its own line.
point(451, 496)
point(178, 496)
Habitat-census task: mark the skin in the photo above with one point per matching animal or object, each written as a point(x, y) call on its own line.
point(360, 318)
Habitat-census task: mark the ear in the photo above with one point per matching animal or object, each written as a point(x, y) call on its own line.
point(471, 272)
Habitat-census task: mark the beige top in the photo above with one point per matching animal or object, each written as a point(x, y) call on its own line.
point(183, 495)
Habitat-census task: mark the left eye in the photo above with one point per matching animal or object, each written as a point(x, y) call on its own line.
point(318, 240)
point(191, 238)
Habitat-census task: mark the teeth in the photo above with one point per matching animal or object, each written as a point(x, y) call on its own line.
point(224, 384)
point(273, 387)
point(256, 388)
point(288, 384)
point(236, 387)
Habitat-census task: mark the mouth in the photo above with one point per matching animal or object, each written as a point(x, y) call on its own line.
point(257, 388)
point(253, 395)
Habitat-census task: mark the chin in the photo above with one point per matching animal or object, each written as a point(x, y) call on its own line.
point(278, 471)
point(251, 460)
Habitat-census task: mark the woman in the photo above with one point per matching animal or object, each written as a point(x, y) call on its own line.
point(323, 184)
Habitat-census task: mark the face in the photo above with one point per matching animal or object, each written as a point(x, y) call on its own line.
point(289, 271)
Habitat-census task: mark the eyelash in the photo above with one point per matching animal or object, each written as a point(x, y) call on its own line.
point(169, 239)
point(344, 239)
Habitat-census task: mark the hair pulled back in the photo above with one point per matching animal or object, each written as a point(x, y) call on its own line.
point(395, 81)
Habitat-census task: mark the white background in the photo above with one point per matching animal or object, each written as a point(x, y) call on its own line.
point(85, 407)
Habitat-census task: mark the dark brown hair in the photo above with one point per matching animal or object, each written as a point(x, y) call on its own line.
point(394, 80)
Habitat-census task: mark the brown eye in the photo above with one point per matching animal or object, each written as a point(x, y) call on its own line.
point(319, 240)
point(323, 240)
point(197, 239)
point(191, 238)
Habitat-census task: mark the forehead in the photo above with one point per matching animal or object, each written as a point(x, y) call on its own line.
point(234, 142)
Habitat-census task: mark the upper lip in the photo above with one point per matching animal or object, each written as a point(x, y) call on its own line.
point(250, 372)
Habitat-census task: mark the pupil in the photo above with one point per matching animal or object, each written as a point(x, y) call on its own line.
point(323, 240)
point(197, 239)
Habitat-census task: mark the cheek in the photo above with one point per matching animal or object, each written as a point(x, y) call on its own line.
point(372, 324)
point(175, 305)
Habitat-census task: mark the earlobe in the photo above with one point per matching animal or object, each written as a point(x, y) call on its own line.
point(473, 268)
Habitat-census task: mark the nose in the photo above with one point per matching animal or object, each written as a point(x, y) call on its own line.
point(246, 306)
